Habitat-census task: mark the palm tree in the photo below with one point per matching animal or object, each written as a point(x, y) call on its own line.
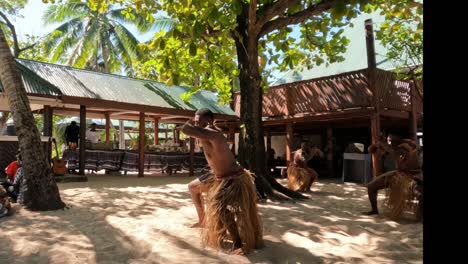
point(41, 190)
point(91, 39)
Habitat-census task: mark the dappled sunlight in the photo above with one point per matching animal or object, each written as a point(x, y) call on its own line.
point(146, 220)
point(336, 197)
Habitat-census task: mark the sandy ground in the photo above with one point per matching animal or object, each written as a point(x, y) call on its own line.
point(124, 219)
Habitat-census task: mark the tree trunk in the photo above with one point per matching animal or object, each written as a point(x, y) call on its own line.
point(251, 139)
point(105, 53)
point(41, 190)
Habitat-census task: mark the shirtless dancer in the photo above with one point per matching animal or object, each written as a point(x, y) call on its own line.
point(231, 195)
point(301, 176)
point(405, 154)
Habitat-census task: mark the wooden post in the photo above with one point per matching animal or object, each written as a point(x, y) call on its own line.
point(141, 146)
point(82, 145)
point(375, 133)
point(47, 114)
point(121, 135)
point(331, 170)
point(156, 131)
point(174, 135)
point(192, 148)
point(268, 140)
point(414, 114)
point(47, 131)
point(375, 116)
point(289, 142)
point(371, 62)
point(108, 124)
point(232, 138)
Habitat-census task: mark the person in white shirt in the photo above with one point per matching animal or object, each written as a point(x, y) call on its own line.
point(92, 134)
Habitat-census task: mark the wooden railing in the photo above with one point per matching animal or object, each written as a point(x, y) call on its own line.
point(338, 92)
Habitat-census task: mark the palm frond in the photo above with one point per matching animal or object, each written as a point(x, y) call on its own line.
point(126, 55)
point(127, 39)
point(143, 25)
point(65, 11)
point(54, 37)
point(64, 42)
point(88, 47)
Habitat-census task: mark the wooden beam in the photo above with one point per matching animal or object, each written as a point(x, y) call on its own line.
point(192, 149)
point(82, 145)
point(289, 142)
point(141, 146)
point(156, 131)
point(130, 115)
point(125, 113)
point(108, 124)
point(322, 117)
point(93, 102)
point(76, 112)
point(395, 114)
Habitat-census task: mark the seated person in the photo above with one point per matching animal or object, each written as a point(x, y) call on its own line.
point(11, 171)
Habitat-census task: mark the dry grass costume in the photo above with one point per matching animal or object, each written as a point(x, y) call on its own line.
point(300, 176)
point(231, 204)
point(403, 186)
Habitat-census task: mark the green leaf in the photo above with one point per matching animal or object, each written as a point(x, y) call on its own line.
point(237, 7)
point(193, 49)
point(197, 29)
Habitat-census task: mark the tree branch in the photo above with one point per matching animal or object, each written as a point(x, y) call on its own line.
point(296, 18)
point(210, 32)
point(273, 10)
point(252, 13)
point(16, 49)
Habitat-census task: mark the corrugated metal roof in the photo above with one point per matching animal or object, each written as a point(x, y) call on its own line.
point(34, 84)
point(201, 99)
point(355, 54)
point(82, 83)
point(59, 76)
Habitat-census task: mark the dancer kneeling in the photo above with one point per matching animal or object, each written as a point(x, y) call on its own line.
point(231, 208)
point(403, 184)
point(301, 176)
